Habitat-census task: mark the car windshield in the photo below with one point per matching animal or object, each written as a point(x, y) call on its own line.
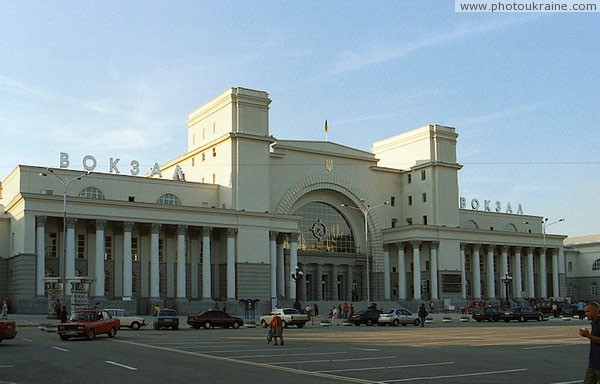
point(168, 313)
point(83, 316)
point(290, 311)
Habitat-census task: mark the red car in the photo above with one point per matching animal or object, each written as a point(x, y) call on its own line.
point(89, 323)
point(8, 329)
point(214, 318)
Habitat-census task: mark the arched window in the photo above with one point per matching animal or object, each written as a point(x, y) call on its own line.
point(472, 225)
point(324, 229)
point(510, 228)
point(596, 265)
point(91, 193)
point(169, 199)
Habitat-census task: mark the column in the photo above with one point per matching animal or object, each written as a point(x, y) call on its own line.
point(302, 284)
point(401, 272)
point(206, 264)
point(489, 264)
point(40, 252)
point(318, 281)
point(416, 269)
point(99, 259)
point(154, 265)
point(476, 272)
point(387, 289)
point(434, 271)
point(504, 261)
point(127, 260)
point(530, 284)
point(280, 266)
point(463, 272)
point(273, 262)
point(231, 232)
point(334, 290)
point(70, 256)
point(349, 283)
point(517, 273)
point(181, 275)
point(555, 282)
point(543, 274)
point(293, 264)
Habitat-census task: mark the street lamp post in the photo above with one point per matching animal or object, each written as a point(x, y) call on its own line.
point(365, 209)
point(545, 225)
point(65, 183)
point(507, 279)
point(297, 276)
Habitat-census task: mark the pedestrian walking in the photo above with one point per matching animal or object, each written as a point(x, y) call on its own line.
point(4, 310)
point(592, 373)
point(63, 314)
point(277, 328)
point(423, 314)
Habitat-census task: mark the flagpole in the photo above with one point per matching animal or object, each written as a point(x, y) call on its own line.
point(326, 131)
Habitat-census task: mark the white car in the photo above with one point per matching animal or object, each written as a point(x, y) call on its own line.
point(398, 316)
point(133, 322)
point(289, 316)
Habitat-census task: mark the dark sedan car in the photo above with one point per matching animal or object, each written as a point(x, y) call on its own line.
point(8, 329)
point(214, 318)
point(366, 316)
point(521, 314)
point(486, 314)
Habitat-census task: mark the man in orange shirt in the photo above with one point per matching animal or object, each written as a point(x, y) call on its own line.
point(277, 328)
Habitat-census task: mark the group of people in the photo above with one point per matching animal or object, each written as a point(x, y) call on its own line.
point(341, 311)
point(60, 311)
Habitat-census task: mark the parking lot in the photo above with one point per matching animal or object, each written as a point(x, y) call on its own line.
point(550, 352)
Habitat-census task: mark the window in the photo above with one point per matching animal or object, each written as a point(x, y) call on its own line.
point(423, 175)
point(193, 161)
point(161, 256)
point(214, 152)
point(91, 193)
point(107, 248)
point(134, 249)
point(570, 266)
point(106, 281)
point(409, 177)
point(409, 220)
point(394, 223)
point(425, 220)
point(169, 199)
point(51, 245)
point(133, 282)
point(472, 225)
point(409, 200)
point(594, 289)
point(325, 229)
point(424, 195)
point(81, 246)
point(393, 201)
point(203, 156)
point(467, 263)
point(596, 265)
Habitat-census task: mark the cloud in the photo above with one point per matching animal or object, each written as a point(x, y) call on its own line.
point(349, 61)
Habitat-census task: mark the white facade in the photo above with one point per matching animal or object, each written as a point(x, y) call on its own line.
point(253, 207)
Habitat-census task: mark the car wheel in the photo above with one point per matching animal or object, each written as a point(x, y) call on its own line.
point(284, 324)
point(91, 334)
point(540, 318)
point(521, 318)
point(396, 322)
point(112, 332)
point(369, 322)
point(64, 338)
point(264, 324)
point(300, 325)
point(207, 325)
point(135, 325)
point(478, 320)
point(236, 325)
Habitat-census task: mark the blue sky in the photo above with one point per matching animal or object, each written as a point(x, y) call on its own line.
point(119, 78)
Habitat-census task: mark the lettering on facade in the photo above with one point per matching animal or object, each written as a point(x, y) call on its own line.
point(90, 163)
point(488, 207)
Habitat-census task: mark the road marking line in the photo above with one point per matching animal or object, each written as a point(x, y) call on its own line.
point(454, 376)
point(250, 350)
point(288, 354)
point(333, 360)
point(6, 366)
point(61, 349)
point(367, 349)
point(569, 382)
point(27, 340)
point(121, 365)
point(388, 367)
point(255, 364)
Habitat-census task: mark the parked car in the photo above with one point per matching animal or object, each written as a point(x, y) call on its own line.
point(366, 316)
point(214, 318)
point(569, 310)
point(289, 316)
point(486, 314)
point(133, 322)
point(398, 316)
point(8, 330)
point(89, 323)
point(166, 318)
point(521, 314)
